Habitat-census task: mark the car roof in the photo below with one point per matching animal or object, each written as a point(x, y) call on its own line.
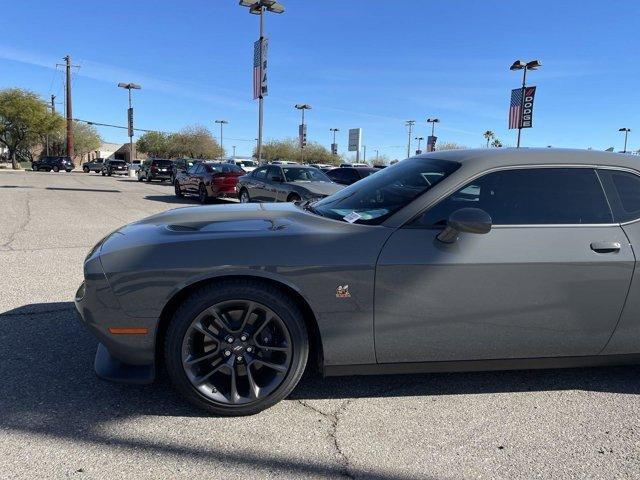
point(486, 158)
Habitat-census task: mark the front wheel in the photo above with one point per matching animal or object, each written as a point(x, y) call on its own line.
point(294, 197)
point(236, 347)
point(56, 169)
point(34, 168)
point(85, 170)
point(147, 178)
point(178, 190)
point(244, 196)
point(68, 171)
point(103, 174)
point(202, 194)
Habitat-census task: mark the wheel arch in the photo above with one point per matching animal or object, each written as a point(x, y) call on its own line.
point(316, 357)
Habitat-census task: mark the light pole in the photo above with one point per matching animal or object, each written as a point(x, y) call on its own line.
point(520, 65)
point(409, 124)
point(626, 133)
point(222, 124)
point(130, 86)
point(302, 131)
point(258, 7)
point(334, 145)
point(419, 139)
point(431, 141)
point(234, 151)
point(364, 147)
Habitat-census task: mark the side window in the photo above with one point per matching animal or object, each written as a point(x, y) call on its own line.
point(260, 173)
point(623, 190)
point(192, 169)
point(337, 175)
point(530, 196)
point(273, 173)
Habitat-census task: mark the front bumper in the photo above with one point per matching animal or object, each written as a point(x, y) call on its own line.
point(128, 358)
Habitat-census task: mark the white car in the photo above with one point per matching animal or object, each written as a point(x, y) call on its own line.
point(246, 165)
point(342, 165)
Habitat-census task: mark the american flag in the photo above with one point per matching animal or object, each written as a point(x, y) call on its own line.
point(515, 109)
point(260, 68)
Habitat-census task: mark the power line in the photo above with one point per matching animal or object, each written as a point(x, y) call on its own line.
point(88, 122)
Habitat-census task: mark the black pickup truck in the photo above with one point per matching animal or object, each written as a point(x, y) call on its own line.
point(93, 166)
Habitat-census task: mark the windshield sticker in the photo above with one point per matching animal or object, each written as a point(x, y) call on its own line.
point(352, 217)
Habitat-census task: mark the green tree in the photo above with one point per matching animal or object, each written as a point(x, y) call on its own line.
point(381, 160)
point(154, 144)
point(25, 122)
point(496, 143)
point(85, 139)
point(489, 135)
point(288, 149)
point(194, 142)
point(450, 146)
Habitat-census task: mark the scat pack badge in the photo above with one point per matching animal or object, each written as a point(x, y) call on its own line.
point(343, 292)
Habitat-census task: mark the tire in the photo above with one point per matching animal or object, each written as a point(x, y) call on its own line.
point(109, 173)
point(68, 171)
point(103, 174)
point(283, 370)
point(56, 169)
point(203, 197)
point(147, 178)
point(85, 170)
point(294, 197)
point(244, 196)
point(162, 180)
point(178, 190)
point(140, 178)
point(34, 168)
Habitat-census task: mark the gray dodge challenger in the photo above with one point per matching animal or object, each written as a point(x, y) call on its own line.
point(450, 261)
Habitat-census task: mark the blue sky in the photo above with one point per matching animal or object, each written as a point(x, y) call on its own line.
point(369, 64)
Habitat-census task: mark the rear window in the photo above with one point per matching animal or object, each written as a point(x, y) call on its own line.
point(163, 163)
point(117, 162)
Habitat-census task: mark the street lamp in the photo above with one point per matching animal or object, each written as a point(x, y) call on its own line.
point(258, 7)
point(626, 133)
point(334, 145)
point(302, 130)
point(431, 141)
point(222, 123)
point(419, 139)
point(409, 124)
point(130, 86)
point(520, 65)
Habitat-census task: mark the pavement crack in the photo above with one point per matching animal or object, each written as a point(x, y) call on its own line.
point(334, 419)
point(22, 227)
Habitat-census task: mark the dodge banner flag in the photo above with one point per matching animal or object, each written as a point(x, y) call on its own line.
point(260, 68)
point(521, 111)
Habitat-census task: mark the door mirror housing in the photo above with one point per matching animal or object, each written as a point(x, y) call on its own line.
point(468, 220)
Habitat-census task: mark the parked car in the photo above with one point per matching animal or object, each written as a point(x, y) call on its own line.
point(283, 162)
point(343, 165)
point(246, 165)
point(93, 165)
point(135, 165)
point(115, 167)
point(155, 169)
point(454, 260)
point(285, 183)
point(208, 180)
point(53, 163)
point(181, 165)
point(322, 166)
point(349, 175)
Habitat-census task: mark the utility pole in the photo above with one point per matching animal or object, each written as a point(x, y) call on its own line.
point(53, 104)
point(364, 147)
point(222, 123)
point(234, 151)
point(130, 86)
point(67, 60)
point(409, 124)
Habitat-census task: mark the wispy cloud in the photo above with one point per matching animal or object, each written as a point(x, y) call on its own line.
point(113, 74)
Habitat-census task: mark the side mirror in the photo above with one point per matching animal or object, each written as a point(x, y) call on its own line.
point(469, 220)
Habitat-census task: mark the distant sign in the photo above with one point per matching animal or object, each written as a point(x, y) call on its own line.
point(355, 139)
point(302, 135)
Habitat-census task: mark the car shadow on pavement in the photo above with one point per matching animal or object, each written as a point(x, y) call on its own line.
point(186, 200)
point(50, 390)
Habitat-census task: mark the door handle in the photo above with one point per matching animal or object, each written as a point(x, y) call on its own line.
point(605, 247)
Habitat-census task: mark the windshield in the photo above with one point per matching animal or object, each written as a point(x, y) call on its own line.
point(304, 175)
point(247, 163)
point(377, 197)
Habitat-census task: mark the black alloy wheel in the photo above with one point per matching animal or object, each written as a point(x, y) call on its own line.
point(236, 347)
point(202, 194)
point(178, 190)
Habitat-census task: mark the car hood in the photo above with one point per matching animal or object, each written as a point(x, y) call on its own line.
point(318, 188)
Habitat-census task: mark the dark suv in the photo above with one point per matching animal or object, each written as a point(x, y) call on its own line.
point(155, 169)
point(115, 167)
point(53, 163)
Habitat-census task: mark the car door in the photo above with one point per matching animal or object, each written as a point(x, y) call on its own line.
point(255, 184)
point(548, 280)
point(273, 191)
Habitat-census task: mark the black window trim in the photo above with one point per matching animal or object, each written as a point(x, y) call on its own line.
point(619, 169)
point(466, 181)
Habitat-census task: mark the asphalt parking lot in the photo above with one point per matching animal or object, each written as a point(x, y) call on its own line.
point(57, 420)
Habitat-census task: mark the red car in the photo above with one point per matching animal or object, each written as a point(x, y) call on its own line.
point(209, 180)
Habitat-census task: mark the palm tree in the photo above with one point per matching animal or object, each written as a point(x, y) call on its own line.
point(496, 143)
point(488, 135)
